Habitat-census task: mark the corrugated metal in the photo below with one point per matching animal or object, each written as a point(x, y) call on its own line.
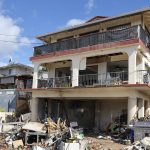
point(7, 80)
point(8, 99)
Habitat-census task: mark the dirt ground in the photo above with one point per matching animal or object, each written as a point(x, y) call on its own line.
point(101, 144)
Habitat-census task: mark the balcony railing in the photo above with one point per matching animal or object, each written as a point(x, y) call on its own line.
point(88, 80)
point(143, 76)
point(110, 78)
point(55, 82)
point(29, 83)
point(24, 95)
point(93, 39)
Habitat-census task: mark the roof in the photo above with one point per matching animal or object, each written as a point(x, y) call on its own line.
point(96, 18)
point(96, 21)
point(16, 65)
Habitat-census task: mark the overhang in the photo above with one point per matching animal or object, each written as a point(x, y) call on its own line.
point(145, 16)
point(97, 92)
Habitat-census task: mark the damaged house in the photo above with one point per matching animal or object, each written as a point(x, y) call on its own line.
point(12, 77)
point(97, 72)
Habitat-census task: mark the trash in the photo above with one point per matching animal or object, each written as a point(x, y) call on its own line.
point(72, 146)
point(17, 144)
point(52, 135)
point(139, 145)
point(34, 126)
point(26, 117)
point(38, 148)
point(146, 141)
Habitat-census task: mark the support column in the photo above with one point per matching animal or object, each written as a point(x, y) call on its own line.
point(35, 76)
point(147, 107)
point(34, 109)
point(132, 109)
point(51, 75)
point(78, 63)
point(132, 66)
point(102, 70)
point(75, 73)
point(140, 108)
point(51, 71)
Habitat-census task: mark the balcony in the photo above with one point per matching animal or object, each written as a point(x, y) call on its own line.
point(108, 79)
point(91, 80)
point(94, 39)
point(24, 95)
point(55, 82)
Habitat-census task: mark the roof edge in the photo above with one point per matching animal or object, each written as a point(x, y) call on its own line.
point(94, 22)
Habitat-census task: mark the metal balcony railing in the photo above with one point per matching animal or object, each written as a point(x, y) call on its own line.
point(143, 76)
point(105, 79)
point(29, 83)
point(24, 95)
point(55, 82)
point(95, 38)
point(110, 78)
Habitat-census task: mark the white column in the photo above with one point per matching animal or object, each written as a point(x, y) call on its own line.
point(78, 63)
point(34, 109)
point(75, 72)
point(132, 66)
point(51, 71)
point(102, 70)
point(140, 108)
point(140, 67)
point(138, 30)
point(132, 108)
point(148, 108)
point(35, 76)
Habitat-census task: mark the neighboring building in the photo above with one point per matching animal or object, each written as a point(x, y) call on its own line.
point(97, 71)
point(13, 76)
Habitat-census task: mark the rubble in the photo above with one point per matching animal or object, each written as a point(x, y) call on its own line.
point(39, 135)
point(51, 135)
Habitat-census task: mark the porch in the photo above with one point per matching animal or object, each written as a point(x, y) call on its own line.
point(131, 32)
point(88, 80)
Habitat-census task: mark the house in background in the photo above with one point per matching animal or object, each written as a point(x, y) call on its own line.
point(98, 72)
point(12, 77)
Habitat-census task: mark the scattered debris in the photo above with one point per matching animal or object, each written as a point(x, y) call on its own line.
point(34, 126)
point(56, 135)
point(17, 144)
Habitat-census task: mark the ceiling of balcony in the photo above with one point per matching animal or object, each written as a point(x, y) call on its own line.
point(146, 18)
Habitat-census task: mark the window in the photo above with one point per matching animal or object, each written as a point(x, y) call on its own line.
point(10, 71)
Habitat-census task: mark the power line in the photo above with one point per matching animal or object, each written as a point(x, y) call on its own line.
point(32, 43)
point(15, 35)
point(20, 42)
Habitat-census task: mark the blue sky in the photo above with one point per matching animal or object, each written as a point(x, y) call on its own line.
point(24, 19)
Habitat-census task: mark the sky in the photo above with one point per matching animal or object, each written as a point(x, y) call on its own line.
point(22, 20)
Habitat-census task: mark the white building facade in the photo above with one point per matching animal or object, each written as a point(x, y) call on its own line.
point(97, 71)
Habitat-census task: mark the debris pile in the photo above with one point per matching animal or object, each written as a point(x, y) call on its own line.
point(33, 134)
point(58, 135)
point(143, 144)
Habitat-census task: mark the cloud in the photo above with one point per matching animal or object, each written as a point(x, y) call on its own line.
point(2, 64)
point(73, 22)
point(10, 31)
point(89, 6)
